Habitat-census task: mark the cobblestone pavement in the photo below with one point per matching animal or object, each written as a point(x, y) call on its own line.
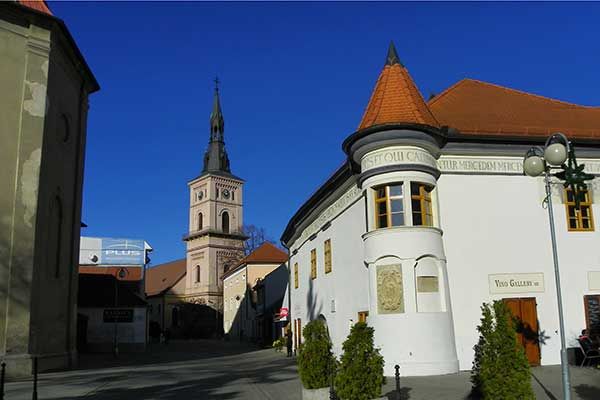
point(221, 370)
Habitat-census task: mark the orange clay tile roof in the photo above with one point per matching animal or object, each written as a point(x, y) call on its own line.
point(265, 253)
point(395, 98)
point(475, 107)
point(38, 5)
point(164, 276)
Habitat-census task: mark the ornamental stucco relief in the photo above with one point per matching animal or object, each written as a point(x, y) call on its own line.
point(390, 292)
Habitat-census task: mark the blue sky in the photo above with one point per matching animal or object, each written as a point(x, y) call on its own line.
point(295, 81)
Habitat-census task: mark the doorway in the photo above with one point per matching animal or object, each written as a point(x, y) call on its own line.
point(525, 310)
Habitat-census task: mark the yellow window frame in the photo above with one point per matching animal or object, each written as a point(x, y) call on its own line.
point(578, 217)
point(327, 255)
point(387, 199)
point(313, 264)
point(424, 197)
point(296, 276)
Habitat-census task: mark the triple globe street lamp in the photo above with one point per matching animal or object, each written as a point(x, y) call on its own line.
point(558, 154)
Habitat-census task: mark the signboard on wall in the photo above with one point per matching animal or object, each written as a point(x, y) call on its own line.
point(516, 283)
point(118, 315)
point(110, 251)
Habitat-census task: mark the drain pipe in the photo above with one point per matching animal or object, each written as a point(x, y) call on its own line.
point(289, 265)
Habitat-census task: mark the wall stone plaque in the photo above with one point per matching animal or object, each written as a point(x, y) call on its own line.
point(390, 292)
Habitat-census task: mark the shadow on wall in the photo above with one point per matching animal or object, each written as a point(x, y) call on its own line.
point(311, 303)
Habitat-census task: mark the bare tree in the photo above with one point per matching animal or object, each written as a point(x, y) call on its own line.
point(256, 237)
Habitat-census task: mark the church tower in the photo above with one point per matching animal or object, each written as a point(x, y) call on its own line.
point(215, 241)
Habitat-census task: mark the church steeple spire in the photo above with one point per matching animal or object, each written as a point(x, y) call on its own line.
point(215, 158)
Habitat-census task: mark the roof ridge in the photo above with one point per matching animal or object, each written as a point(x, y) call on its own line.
point(509, 89)
point(448, 89)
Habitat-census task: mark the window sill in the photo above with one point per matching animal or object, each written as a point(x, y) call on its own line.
point(394, 229)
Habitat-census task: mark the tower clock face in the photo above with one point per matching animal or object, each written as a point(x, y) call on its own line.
point(226, 193)
point(200, 195)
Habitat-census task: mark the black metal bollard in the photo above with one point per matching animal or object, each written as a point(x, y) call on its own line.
point(34, 395)
point(332, 394)
point(397, 367)
point(2, 374)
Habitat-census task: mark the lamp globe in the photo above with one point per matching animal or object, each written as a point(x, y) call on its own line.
point(533, 166)
point(555, 154)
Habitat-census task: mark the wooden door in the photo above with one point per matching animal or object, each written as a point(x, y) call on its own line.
point(525, 309)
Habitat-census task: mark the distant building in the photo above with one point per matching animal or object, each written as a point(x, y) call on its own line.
point(165, 286)
point(268, 294)
point(43, 116)
point(430, 216)
point(214, 241)
point(246, 305)
point(111, 309)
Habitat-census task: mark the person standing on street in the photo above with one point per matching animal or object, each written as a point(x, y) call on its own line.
point(289, 342)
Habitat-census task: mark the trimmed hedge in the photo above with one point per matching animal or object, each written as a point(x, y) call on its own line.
point(360, 374)
point(315, 357)
point(500, 367)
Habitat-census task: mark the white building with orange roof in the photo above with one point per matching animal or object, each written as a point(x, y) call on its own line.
point(431, 216)
point(242, 307)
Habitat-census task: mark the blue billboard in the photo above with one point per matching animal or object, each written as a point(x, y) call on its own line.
point(122, 252)
point(112, 251)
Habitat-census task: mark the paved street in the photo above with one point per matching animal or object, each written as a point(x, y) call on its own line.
point(220, 370)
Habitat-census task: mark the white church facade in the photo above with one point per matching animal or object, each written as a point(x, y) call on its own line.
point(431, 216)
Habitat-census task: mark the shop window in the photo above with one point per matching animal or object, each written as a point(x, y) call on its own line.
point(592, 314)
point(313, 264)
point(327, 255)
point(421, 204)
point(225, 222)
point(579, 219)
point(389, 206)
point(296, 276)
point(427, 286)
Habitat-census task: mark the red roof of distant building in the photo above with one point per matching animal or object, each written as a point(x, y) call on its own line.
point(38, 5)
point(266, 253)
point(164, 276)
point(396, 98)
point(475, 107)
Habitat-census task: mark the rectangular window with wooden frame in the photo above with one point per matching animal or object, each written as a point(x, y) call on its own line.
point(421, 204)
point(296, 276)
point(327, 251)
point(579, 219)
point(389, 206)
point(362, 316)
point(313, 264)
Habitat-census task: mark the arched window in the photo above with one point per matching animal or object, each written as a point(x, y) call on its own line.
point(200, 221)
point(197, 273)
point(175, 317)
point(225, 222)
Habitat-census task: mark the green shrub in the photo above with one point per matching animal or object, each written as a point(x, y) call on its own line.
point(360, 374)
point(314, 357)
point(279, 344)
point(500, 367)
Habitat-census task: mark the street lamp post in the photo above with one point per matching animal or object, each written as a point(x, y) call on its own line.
point(556, 152)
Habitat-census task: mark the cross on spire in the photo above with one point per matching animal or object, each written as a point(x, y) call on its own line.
point(217, 81)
